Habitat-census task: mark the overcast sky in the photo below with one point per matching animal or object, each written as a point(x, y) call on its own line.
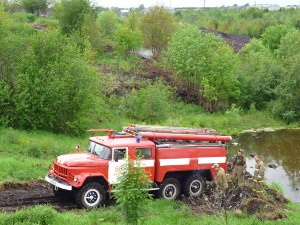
point(189, 3)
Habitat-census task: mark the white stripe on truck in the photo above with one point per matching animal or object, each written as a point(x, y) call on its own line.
point(174, 162)
point(144, 163)
point(208, 160)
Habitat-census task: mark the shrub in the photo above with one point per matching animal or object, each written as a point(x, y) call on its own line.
point(132, 193)
point(149, 104)
point(47, 85)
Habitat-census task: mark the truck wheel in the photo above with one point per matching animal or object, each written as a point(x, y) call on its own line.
point(170, 189)
point(90, 195)
point(194, 186)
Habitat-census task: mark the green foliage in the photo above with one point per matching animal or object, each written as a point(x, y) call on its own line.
point(127, 40)
point(4, 22)
point(289, 48)
point(128, 37)
point(49, 79)
point(273, 35)
point(288, 92)
point(71, 14)
point(39, 215)
point(23, 17)
point(250, 22)
point(107, 22)
point(277, 187)
point(157, 26)
point(259, 74)
point(205, 60)
point(90, 32)
point(149, 104)
point(158, 212)
point(132, 195)
point(35, 6)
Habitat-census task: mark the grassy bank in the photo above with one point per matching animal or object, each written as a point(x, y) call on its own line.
point(26, 155)
point(157, 212)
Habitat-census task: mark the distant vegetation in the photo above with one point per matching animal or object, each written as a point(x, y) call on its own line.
point(77, 67)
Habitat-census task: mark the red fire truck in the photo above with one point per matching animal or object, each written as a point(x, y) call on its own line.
point(178, 160)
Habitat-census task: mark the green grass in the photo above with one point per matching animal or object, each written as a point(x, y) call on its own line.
point(26, 155)
point(157, 212)
point(230, 122)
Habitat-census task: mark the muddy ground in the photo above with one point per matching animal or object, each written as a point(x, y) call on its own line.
point(15, 196)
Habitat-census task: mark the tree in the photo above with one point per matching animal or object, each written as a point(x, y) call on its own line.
point(273, 35)
point(259, 74)
point(71, 14)
point(205, 60)
point(128, 37)
point(49, 85)
point(289, 48)
point(35, 6)
point(288, 104)
point(157, 26)
point(150, 104)
point(107, 22)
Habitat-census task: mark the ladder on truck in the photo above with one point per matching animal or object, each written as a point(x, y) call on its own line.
point(136, 128)
point(167, 135)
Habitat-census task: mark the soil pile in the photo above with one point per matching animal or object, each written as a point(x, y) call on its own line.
point(270, 206)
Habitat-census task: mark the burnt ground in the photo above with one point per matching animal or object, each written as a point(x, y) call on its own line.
point(237, 42)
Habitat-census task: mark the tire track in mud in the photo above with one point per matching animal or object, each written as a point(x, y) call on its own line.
point(15, 196)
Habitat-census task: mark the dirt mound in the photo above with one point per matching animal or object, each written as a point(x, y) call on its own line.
point(237, 42)
point(270, 206)
point(263, 209)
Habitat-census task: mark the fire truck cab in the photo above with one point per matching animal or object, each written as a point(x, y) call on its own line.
point(178, 161)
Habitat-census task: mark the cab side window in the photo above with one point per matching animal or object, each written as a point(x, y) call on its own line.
point(120, 153)
point(143, 153)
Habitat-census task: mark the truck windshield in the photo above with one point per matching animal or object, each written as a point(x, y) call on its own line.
point(100, 150)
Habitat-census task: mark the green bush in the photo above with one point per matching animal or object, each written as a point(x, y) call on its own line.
point(132, 194)
point(54, 87)
point(23, 17)
point(149, 104)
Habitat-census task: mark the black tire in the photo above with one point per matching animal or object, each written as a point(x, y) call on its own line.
point(170, 189)
point(194, 186)
point(90, 195)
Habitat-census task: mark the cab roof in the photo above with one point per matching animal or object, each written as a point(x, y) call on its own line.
point(124, 141)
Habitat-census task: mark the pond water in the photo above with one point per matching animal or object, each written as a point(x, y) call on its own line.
point(282, 148)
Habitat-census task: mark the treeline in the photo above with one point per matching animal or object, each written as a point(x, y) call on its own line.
point(50, 77)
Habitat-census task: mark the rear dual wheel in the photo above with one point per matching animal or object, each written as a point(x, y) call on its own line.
point(170, 189)
point(194, 186)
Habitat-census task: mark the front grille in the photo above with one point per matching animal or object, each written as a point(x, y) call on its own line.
point(60, 171)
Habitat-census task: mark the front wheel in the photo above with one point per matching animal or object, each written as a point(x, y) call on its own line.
point(194, 186)
point(170, 189)
point(90, 195)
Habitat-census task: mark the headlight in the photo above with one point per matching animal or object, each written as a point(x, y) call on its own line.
point(75, 179)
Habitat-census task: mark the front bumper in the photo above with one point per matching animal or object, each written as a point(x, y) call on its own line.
point(58, 183)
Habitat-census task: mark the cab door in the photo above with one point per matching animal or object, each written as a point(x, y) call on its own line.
point(144, 157)
point(119, 156)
